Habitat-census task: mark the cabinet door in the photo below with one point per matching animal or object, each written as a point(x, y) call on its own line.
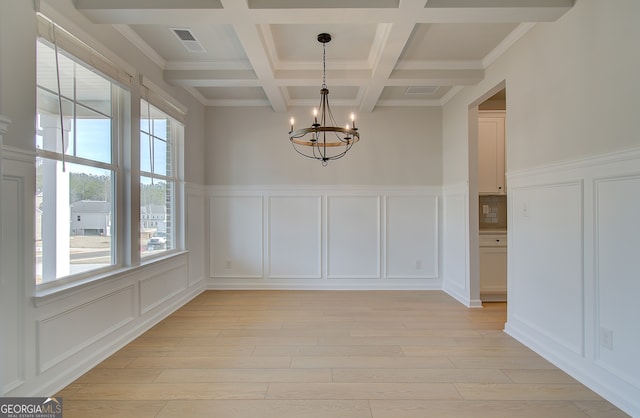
point(493, 273)
point(491, 167)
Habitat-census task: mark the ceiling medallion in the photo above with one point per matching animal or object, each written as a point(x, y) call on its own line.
point(323, 140)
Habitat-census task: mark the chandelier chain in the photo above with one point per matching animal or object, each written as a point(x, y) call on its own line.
point(324, 65)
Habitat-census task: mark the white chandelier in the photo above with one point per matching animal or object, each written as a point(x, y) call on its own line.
point(323, 140)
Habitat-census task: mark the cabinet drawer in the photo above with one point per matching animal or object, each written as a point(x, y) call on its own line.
point(493, 240)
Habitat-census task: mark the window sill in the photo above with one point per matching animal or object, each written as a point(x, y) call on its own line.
point(45, 296)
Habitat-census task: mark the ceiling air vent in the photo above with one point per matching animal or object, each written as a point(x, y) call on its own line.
point(421, 90)
point(188, 40)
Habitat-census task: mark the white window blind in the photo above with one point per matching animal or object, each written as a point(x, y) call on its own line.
point(55, 34)
point(163, 101)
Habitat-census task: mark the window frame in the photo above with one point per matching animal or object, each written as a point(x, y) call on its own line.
point(175, 141)
point(125, 158)
point(118, 97)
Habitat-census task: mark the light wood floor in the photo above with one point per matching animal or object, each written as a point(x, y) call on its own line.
point(347, 354)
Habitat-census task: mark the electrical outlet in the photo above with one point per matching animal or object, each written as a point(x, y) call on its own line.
point(418, 264)
point(525, 210)
point(606, 338)
point(227, 264)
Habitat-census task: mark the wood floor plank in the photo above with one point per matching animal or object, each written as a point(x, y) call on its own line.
point(285, 332)
point(330, 350)
point(525, 392)
point(362, 391)
point(371, 362)
point(422, 341)
point(166, 391)
point(194, 350)
point(539, 376)
point(104, 375)
point(277, 340)
point(245, 375)
point(190, 362)
point(501, 363)
point(419, 375)
point(413, 332)
point(600, 409)
point(267, 409)
point(109, 409)
point(419, 351)
point(475, 409)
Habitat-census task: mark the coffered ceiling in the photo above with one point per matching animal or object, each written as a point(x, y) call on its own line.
point(265, 52)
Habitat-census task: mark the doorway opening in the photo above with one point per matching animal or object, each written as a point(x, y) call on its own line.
point(488, 196)
point(492, 198)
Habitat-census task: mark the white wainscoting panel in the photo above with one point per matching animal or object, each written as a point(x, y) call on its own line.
point(353, 237)
point(455, 243)
point(160, 284)
point(618, 275)
point(196, 234)
point(294, 237)
point(236, 236)
point(411, 231)
point(547, 261)
point(11, 289)
point(61, 336)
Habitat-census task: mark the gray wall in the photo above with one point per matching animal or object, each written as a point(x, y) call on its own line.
point(250, 146)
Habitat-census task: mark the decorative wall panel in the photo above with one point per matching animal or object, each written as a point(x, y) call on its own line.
point(353, 237)
point(618, 275)
point(455, 239)
point(411, 236)
point(160, 285)
point(294, 238)
point(11, 294)
point(196, 235)
point(63, 335)
point(547, 261)
point(236, 236)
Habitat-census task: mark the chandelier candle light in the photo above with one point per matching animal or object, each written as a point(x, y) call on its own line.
point(323, 140)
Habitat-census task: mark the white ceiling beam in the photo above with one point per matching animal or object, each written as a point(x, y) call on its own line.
point(251, 38)
point(392, 39)
point(174, 12)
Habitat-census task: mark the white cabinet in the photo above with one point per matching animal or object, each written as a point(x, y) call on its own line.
point(493, 267)
point(491, 155)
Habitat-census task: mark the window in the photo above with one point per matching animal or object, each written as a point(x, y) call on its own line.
point(76, 171)
point(87, 218)
point(160, 137)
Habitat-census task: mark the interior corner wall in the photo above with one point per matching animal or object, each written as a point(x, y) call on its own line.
point(367, 221)
point(572, 157)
